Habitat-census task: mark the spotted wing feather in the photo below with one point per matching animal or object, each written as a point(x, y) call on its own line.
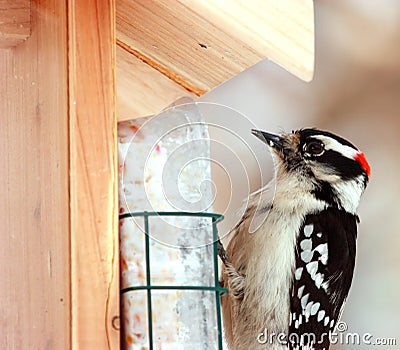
point(325, 258)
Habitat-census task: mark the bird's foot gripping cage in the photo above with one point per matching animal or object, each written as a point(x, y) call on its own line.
point(177, 293)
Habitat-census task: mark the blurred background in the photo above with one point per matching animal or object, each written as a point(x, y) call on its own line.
point(355, 93)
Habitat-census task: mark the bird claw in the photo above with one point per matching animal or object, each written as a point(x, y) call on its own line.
point(222, 253)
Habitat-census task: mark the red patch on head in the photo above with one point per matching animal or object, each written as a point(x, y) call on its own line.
point(360, 157)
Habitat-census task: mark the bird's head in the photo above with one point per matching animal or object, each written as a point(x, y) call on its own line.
point(329, 167)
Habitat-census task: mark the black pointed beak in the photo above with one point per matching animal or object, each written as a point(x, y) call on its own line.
point(271, 140)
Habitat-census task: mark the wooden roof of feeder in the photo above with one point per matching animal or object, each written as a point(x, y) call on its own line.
point(168, 49)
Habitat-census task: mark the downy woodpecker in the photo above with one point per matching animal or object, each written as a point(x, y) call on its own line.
point(289, 264)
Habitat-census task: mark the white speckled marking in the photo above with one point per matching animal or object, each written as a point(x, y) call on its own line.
point(312, 269)
point(306, 244)
point(300, 292)
point(306, 256)
point(308, 309)
point(319, 279)
point(332, 323)
point(323, 250)
point(304, 300)
point(308, 229)
point(321, 315)
point(325, 285)
point(298, 272)
point(315, 308)
point(326, 320)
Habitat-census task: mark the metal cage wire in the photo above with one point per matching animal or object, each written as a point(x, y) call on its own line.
point(149, 287)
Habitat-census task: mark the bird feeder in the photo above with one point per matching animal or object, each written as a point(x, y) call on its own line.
point(168, 234)
point(177, 306)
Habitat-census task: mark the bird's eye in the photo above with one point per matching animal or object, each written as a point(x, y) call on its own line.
point(314, 148)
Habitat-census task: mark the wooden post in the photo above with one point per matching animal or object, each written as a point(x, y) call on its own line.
point(58, 178)
point(34, 204)
point(93, 171)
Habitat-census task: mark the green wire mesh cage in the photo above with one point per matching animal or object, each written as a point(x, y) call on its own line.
point(149, 287)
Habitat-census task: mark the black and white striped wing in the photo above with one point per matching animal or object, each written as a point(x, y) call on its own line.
point(325, 257)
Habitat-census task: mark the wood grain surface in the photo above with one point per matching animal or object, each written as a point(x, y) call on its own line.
point(15, 22)
point(34, 204)
point(199, 44)
point(93, 175)
point(141, 89)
